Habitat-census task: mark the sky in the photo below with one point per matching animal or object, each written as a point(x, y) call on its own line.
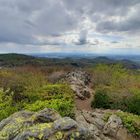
point(79, 26)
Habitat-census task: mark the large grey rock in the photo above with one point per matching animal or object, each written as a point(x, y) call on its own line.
point(47, 115)
point(112, 126)
point(43, 125)
point(96, 120)
point(65, 124)
point(99, 129)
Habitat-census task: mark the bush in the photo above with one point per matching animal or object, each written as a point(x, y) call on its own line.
point(58, 91)
point(64, 107)
point(133, 105)
point(6, 105)
point(59, 97)
point(101, 100)
point(131, 122)
point(26, 88)
point(104, 98)
point(116, 88)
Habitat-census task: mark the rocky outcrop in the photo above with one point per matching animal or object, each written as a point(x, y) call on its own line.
point(80, 83)
point(49, 125)
point(112, 126)
point(99, 129)
point(44, 125)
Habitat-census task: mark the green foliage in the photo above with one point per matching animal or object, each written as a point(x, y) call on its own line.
point(104, 98)
point(6, 105)
point(133, 104)
point(131, 122)
point(101, 100)
point(64, 107)
point(116, 88)
point(56, 91)
point(22, 82)
point(58, 96)
point(27, 88)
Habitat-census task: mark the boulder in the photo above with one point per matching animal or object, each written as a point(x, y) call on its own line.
point(65, 124)
point(47, 115)
point(99, 129)
point(112, 126)
point(43, 125)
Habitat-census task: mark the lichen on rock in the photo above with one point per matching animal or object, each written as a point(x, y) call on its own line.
point(43, 125)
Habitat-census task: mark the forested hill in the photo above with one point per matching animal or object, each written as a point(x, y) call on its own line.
point(12, 60)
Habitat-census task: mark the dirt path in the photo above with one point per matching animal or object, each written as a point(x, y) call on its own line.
point(84, 104)
point(81, 84)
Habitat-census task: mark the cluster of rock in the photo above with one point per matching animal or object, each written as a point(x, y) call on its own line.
point(80, 83)
point(101, 129)
point(43, 125)
point(49, 125)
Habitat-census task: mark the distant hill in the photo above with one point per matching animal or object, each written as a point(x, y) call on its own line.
point(13, 60)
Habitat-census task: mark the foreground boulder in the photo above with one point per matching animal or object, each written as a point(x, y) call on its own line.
point(44, 125)
point(47, 124)
point(101, 129)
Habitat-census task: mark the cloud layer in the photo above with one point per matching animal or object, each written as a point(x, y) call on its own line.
point(69, 25)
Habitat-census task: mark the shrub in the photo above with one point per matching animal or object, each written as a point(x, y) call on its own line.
point(27, 88)
point(52, 91)
point(104, 98)
point(116, 88)
point(101, 99)
point(6, 105)
point(58, 96)
point(133, 105)
point(131, 122)
point(64, 107)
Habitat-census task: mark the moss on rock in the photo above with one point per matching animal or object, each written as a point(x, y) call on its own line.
point(43, 125)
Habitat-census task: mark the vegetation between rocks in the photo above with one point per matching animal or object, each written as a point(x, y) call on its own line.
point(130, 121)
point(28, 89)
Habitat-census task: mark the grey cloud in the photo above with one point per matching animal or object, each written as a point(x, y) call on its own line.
point(82, 38)
point(101, 6)
point(131, 24)
point(22, 20)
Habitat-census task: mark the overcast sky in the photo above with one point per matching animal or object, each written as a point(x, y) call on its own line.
point(89, 26)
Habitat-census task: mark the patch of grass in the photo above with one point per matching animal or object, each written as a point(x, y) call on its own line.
point(64, 107)
point(131, 122)
point(59, 97)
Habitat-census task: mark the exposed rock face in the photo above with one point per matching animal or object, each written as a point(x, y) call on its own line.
point(112, 126)
point(99, 129)
point(80, 83)
point(44, 125)
point(49, 125)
